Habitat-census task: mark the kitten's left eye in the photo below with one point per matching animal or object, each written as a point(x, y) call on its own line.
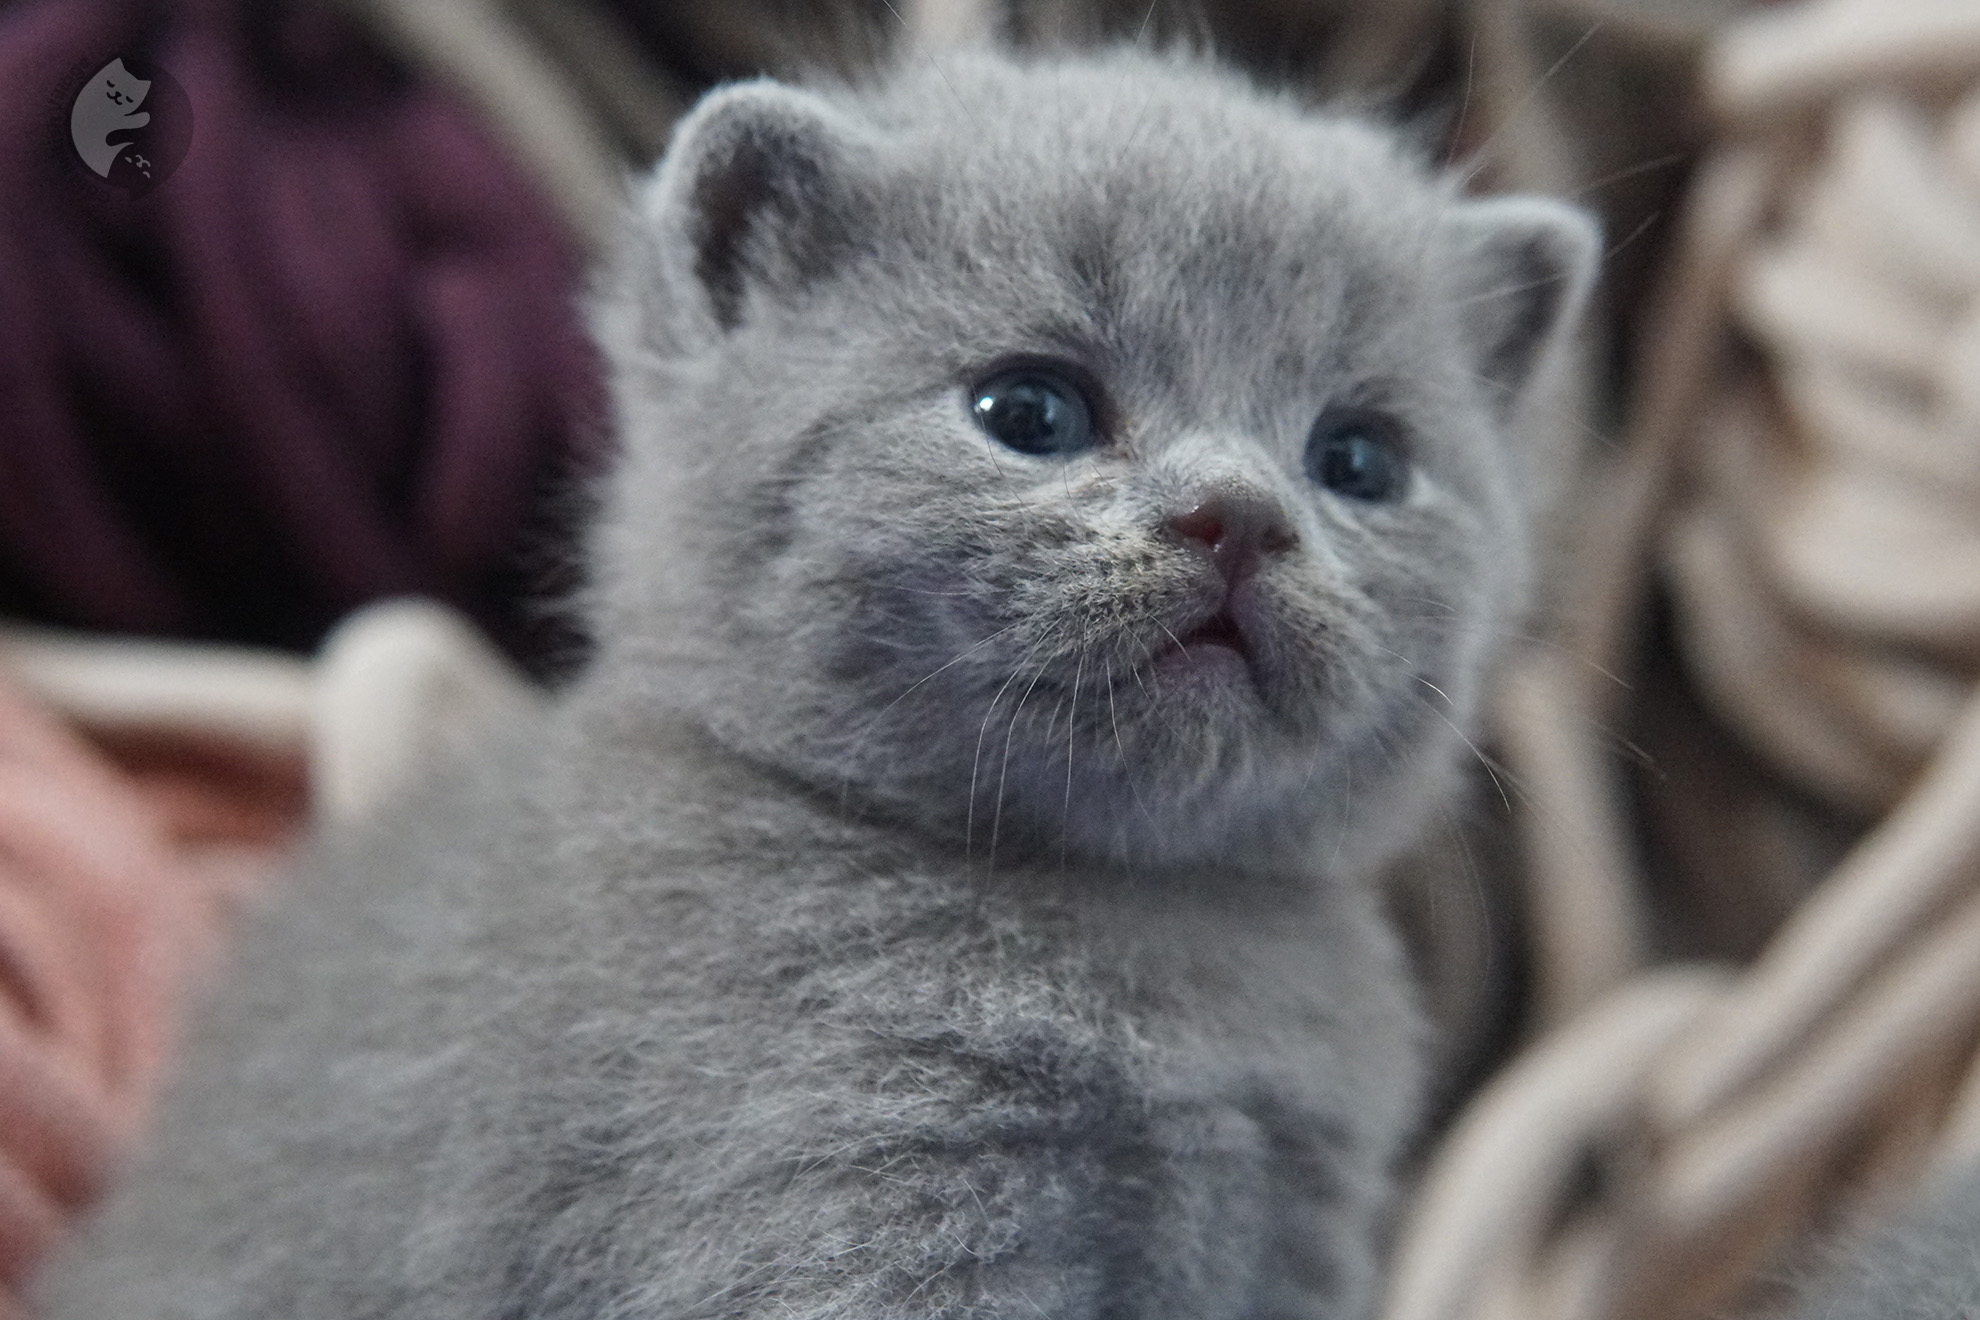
point(1359, 453)
point(1034, 412)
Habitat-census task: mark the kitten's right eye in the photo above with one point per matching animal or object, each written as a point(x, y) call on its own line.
point(1034, 412)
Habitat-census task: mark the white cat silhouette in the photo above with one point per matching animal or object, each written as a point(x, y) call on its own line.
point(108, 102)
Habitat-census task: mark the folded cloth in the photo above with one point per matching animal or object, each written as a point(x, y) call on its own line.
point(115, 888)
point(147, 789)
point(335, 355)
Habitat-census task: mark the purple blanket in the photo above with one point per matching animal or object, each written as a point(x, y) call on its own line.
point(334, 354)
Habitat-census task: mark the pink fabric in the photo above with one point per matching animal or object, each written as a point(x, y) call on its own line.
point(113, 893)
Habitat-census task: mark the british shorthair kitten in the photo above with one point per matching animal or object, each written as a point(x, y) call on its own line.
point(1067, 513)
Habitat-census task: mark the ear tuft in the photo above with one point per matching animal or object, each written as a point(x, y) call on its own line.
point(1524, 269)
point(756, 192)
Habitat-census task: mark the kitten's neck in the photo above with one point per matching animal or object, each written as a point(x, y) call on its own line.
point(676, 711)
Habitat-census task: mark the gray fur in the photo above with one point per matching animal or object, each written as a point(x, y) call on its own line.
point(1924, 1265)
point(877, 929)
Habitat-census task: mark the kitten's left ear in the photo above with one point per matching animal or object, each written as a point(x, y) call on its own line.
point(758, 194)
point(1524, 268)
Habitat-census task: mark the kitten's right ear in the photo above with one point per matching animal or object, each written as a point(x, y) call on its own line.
point(758, 194)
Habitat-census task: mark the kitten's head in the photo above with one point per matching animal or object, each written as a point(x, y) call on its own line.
point(1095, 455)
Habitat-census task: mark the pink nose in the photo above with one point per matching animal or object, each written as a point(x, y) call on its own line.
point(1236, 530)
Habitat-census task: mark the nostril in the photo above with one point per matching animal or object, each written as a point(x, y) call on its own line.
point(1235, 529)
point(1203, 524)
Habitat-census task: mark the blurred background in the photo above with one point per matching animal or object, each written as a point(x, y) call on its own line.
point(310, 337)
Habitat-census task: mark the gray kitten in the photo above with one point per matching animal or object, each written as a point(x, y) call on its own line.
point(1066, 515)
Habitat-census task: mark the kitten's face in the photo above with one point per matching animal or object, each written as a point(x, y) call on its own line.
point(1101, 459)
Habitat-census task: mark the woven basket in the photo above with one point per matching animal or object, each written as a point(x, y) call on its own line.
point(1801, 482)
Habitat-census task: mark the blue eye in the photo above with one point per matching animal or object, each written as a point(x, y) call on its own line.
point(1033, 412)
point(1359, 453)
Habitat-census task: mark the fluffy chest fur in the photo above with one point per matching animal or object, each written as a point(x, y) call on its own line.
point(1077, 1085)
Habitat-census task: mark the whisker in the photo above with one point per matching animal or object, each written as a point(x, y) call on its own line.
point(1464, 103)
point(1526, 637)
point(1526, 101)
point(976, 760)
point(1501, 776)
point(1347, 808)
point(933, 63)
point(1072, 729)
point(1608, 254)
point(1397, 654)
point(1492, 768)
point(1641, 228)
point(1474, 877)
point(922, 591)
point(1127, 767)
point(1156, 706)
point(1135, 132)
point(1641, 167)
point(957, 659)
point(1003, 773)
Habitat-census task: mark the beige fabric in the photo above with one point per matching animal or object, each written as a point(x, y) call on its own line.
point(1803, 469)
point(400, 687)
point(396, 687)
point(121, 683)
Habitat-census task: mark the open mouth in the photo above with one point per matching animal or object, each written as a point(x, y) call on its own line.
point(1216, 647)
point(1220, 629)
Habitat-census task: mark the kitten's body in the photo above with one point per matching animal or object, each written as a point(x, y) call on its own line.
point(857, 1083)
point(898, 919)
